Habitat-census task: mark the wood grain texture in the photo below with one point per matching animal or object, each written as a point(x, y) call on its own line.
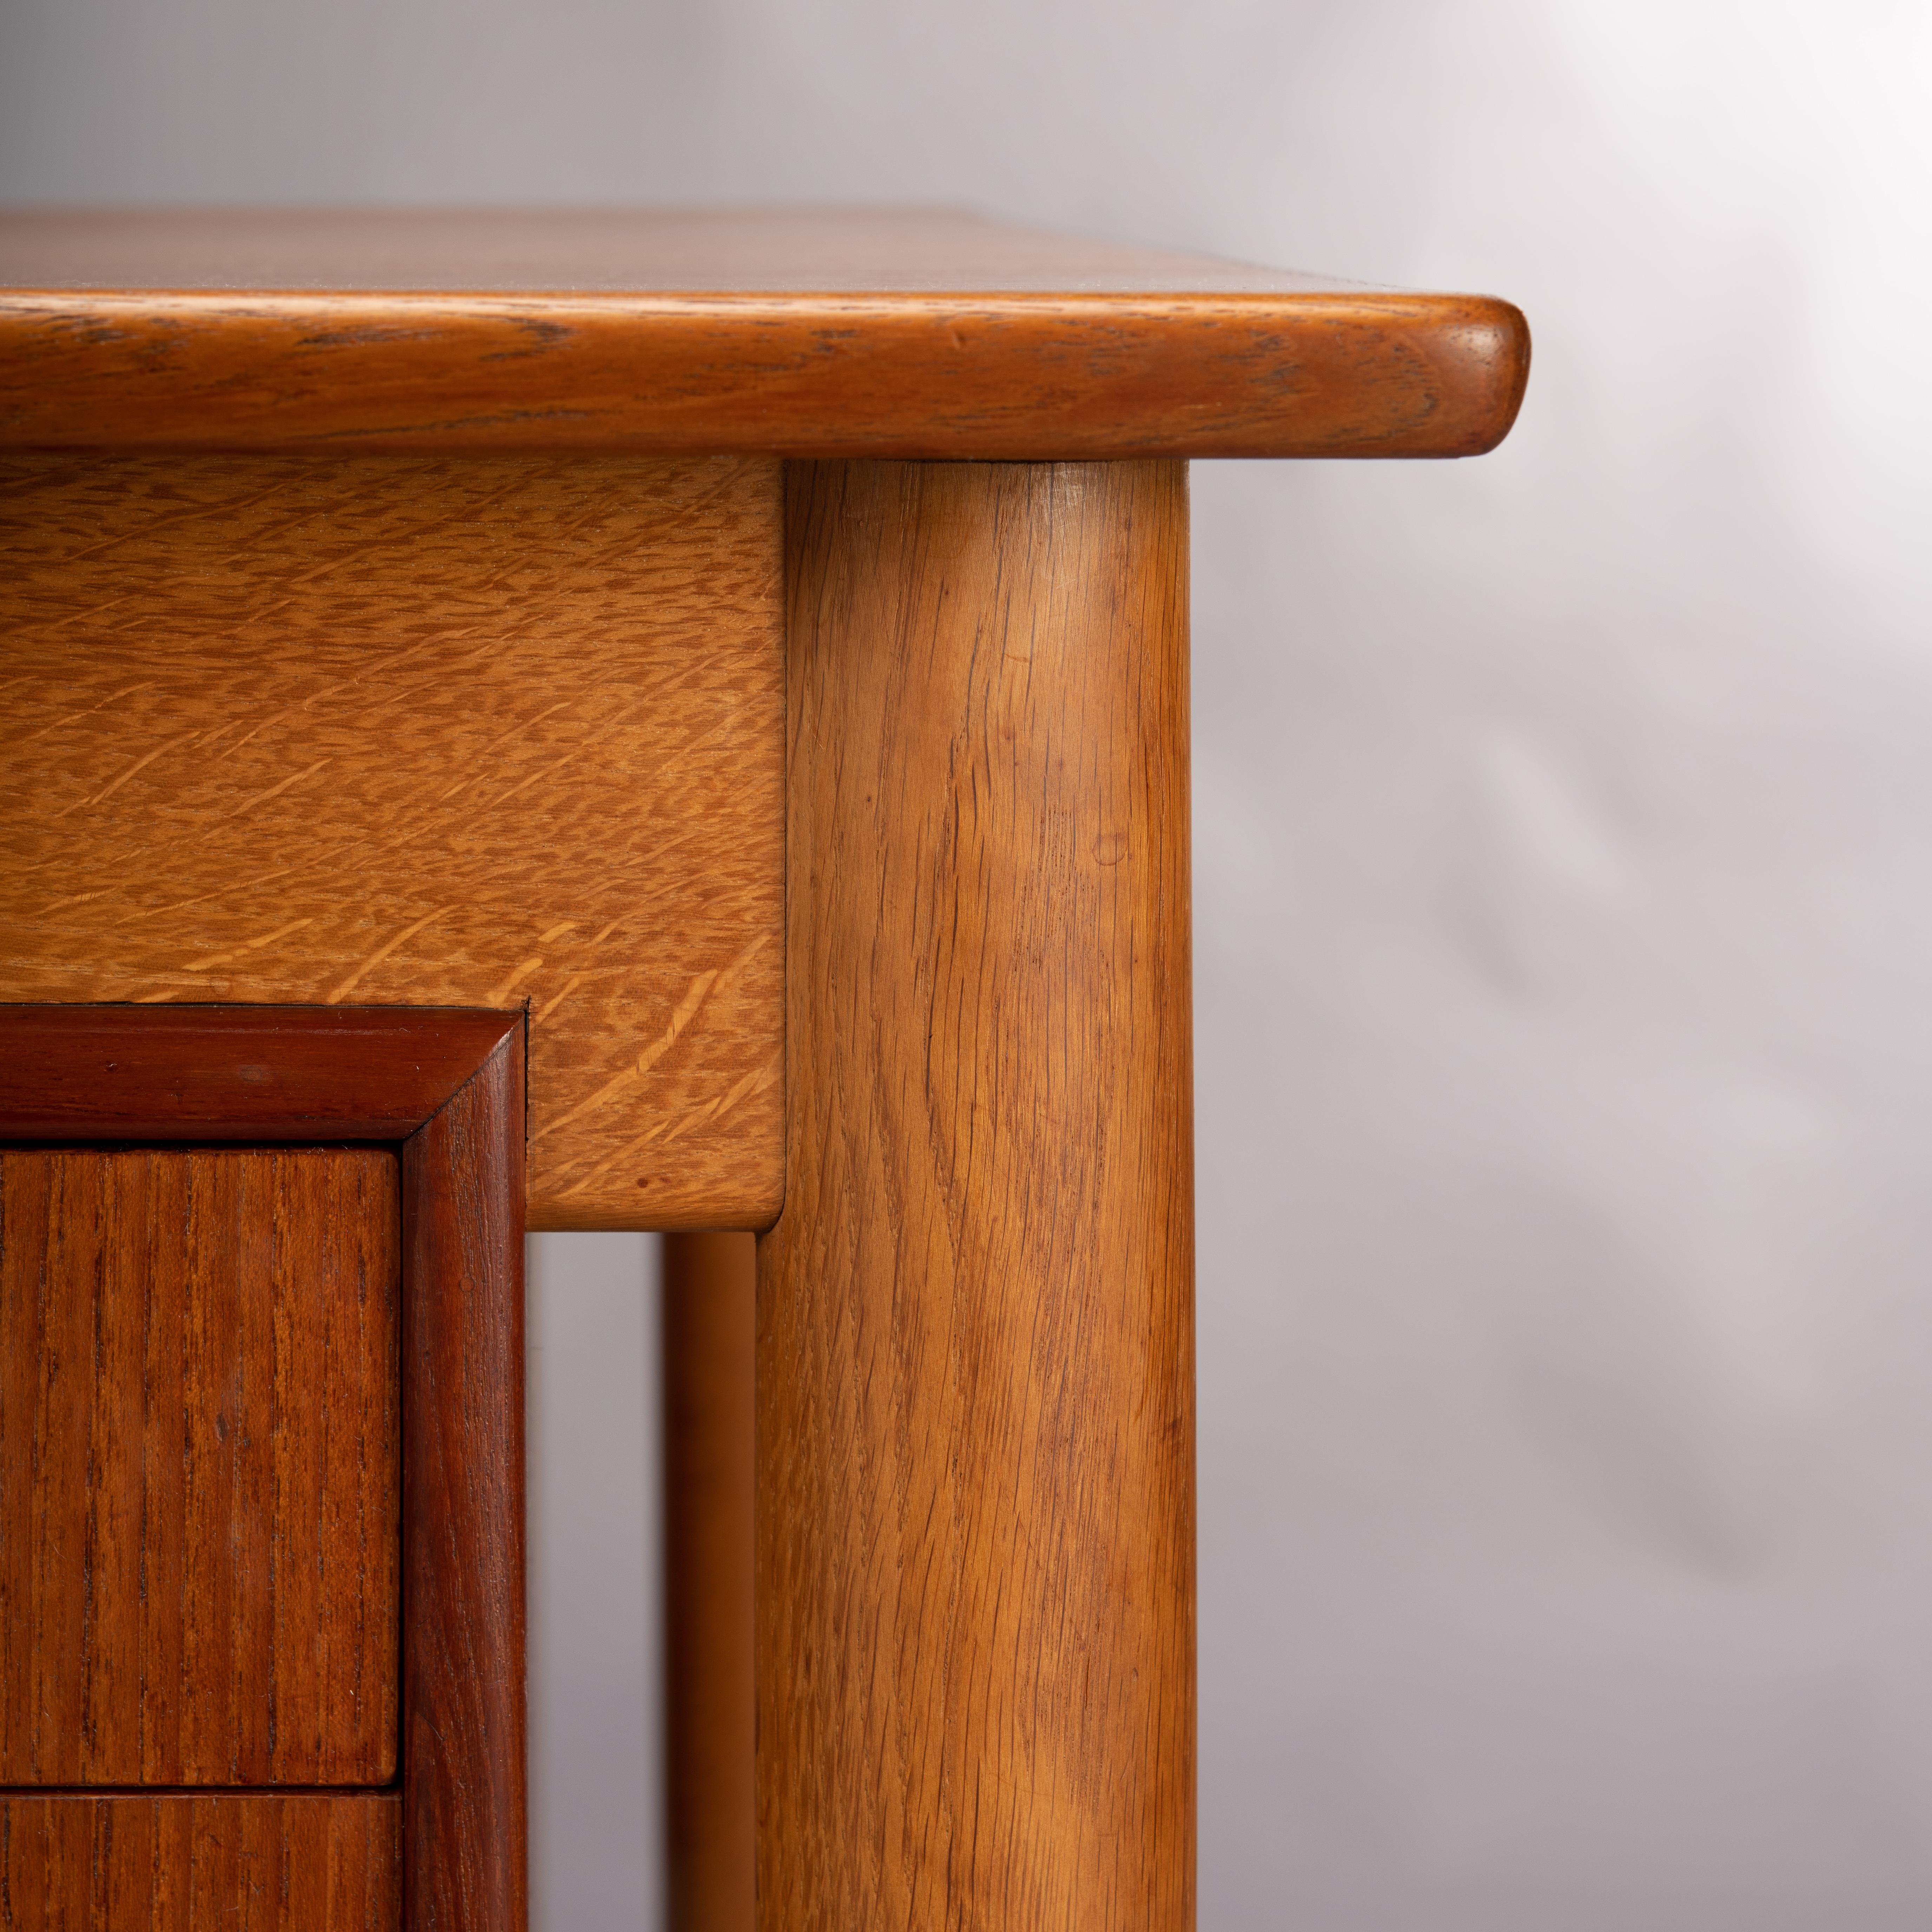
point(237, 1073)
point(793, 333)
point(199, 1478)
point(708, 1357)
point(975, 1503)
point(465, 1848)
point(460, 1865)
point(380, 730)
point(249, 1863)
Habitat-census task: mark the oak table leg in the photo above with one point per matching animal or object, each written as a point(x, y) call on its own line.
point(708, 1289)
point(975, 1549)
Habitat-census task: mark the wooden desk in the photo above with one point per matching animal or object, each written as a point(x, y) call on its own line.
point(748, 652)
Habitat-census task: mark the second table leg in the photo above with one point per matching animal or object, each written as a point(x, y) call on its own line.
point(707, 1328)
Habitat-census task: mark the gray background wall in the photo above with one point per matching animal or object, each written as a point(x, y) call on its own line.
point(1564, 891)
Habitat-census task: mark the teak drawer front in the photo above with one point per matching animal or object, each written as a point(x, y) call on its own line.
point(199, 1480)
point(430, 731)
point(259, 1863)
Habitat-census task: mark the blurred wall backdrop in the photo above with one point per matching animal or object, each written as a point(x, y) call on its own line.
point(1565, 889)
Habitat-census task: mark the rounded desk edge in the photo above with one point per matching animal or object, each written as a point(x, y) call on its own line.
point(971, 376)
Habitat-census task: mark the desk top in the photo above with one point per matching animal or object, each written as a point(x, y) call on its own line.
point(790, 332)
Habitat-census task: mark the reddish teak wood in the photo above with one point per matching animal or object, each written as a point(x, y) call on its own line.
point(465, 1853)
point(234, 1072)
point(462, 1831)
point(198, 1468)
point(256, 1863)
point(975, 1504)
point(791, 333)
point(709, 1285)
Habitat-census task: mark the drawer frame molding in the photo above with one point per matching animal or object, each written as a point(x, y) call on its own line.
point(446, 1086)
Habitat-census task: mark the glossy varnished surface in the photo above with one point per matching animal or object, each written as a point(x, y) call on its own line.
point(234, 1073)
point(975, 1371)
point(795, 332)
point(456, 1404)
point(251, 1863)
point(465, 1846)
point(423, 731)
point(198, 1477)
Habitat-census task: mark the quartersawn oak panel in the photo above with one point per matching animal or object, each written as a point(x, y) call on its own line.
point(199, 1484)
point(256, 1862)
point(391, 730)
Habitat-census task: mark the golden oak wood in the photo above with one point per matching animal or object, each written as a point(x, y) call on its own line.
point(709, 1285)
point(405, 730)
point(252, 1863)
point(795, 333)
point(975, 1530)
point(199, 1478)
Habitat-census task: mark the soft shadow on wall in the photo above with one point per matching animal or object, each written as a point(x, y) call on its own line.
point(596, 1623)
